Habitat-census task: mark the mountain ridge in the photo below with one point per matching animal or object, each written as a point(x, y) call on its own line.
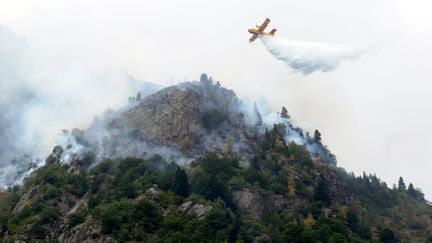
point(190, 164)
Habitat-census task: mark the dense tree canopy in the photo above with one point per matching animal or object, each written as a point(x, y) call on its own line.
point(282, 194)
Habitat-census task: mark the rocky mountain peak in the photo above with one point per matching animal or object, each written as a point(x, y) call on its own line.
point(185, 120)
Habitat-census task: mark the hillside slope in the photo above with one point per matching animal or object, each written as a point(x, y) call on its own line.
point(190, 164)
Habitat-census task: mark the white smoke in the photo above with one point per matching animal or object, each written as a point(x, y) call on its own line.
point(309, 57)
point(44, 90)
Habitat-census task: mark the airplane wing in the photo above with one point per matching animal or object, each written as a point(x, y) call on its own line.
point(264, 25)
point(253, 38)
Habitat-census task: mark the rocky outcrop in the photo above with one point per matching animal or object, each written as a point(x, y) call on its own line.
point(33, 192)
point(337, 189)
point(89, 232)
point(152, 193)
point(262, 239)
point(79, 204)
point(254, 202)
point(182, 121)
point(251, 201)
point(199, 210)
point(166, 117)
point(195, 210)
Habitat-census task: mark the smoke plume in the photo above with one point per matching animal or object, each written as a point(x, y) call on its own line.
point(309, 57)
point(46, 90)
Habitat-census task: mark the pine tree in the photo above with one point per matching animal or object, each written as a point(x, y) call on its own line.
point(322, 191)
point(415, 192)
point(268, 141)
point(411, 191)
point(401, 185)
point(387, 236)
point(138, 97)
point(317, 136)
point(284, 113)
point(352, 220)
point(366, 181)
point(181, 184)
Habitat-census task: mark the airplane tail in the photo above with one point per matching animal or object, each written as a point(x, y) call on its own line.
point(272, 31)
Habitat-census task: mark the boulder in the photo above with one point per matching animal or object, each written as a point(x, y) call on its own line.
point(262, 239)
point(199, 210)
point(196, 210)
point(251, 201)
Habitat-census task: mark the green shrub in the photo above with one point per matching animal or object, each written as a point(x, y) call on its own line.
point(7, 203)
point(386, 235)
point(147, 215)
point(51, 192)
point(48, 215)
point(213, 118)
point(77, 218)
point(21, 215)
point(37, 231)
point(78, 184)
point(181, 184)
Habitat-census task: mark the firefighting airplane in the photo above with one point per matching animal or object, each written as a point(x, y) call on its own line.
point(259, 30)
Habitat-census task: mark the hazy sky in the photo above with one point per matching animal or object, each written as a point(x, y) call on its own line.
point(375, 113)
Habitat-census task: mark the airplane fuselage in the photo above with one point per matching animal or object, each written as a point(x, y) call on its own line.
point(259, 30)
point(256, 32)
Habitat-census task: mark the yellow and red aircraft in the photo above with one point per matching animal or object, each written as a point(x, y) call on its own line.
point(259, 30)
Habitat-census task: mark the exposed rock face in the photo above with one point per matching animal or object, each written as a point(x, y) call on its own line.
point(251, 201)
point(152, 193)
point(278, 201)
point(255, 203)
point(337, 189)
point(88, 232)
point(199, 210)
point(196, 210)
point(24, 198)
point(80, 203)
point(166, 117)
point(262, 239)
point(184, 207)
point(185, 120)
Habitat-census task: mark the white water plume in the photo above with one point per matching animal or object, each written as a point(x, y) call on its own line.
point(308, 57)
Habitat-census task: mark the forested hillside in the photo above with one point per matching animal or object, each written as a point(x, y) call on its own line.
point(248, 183)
